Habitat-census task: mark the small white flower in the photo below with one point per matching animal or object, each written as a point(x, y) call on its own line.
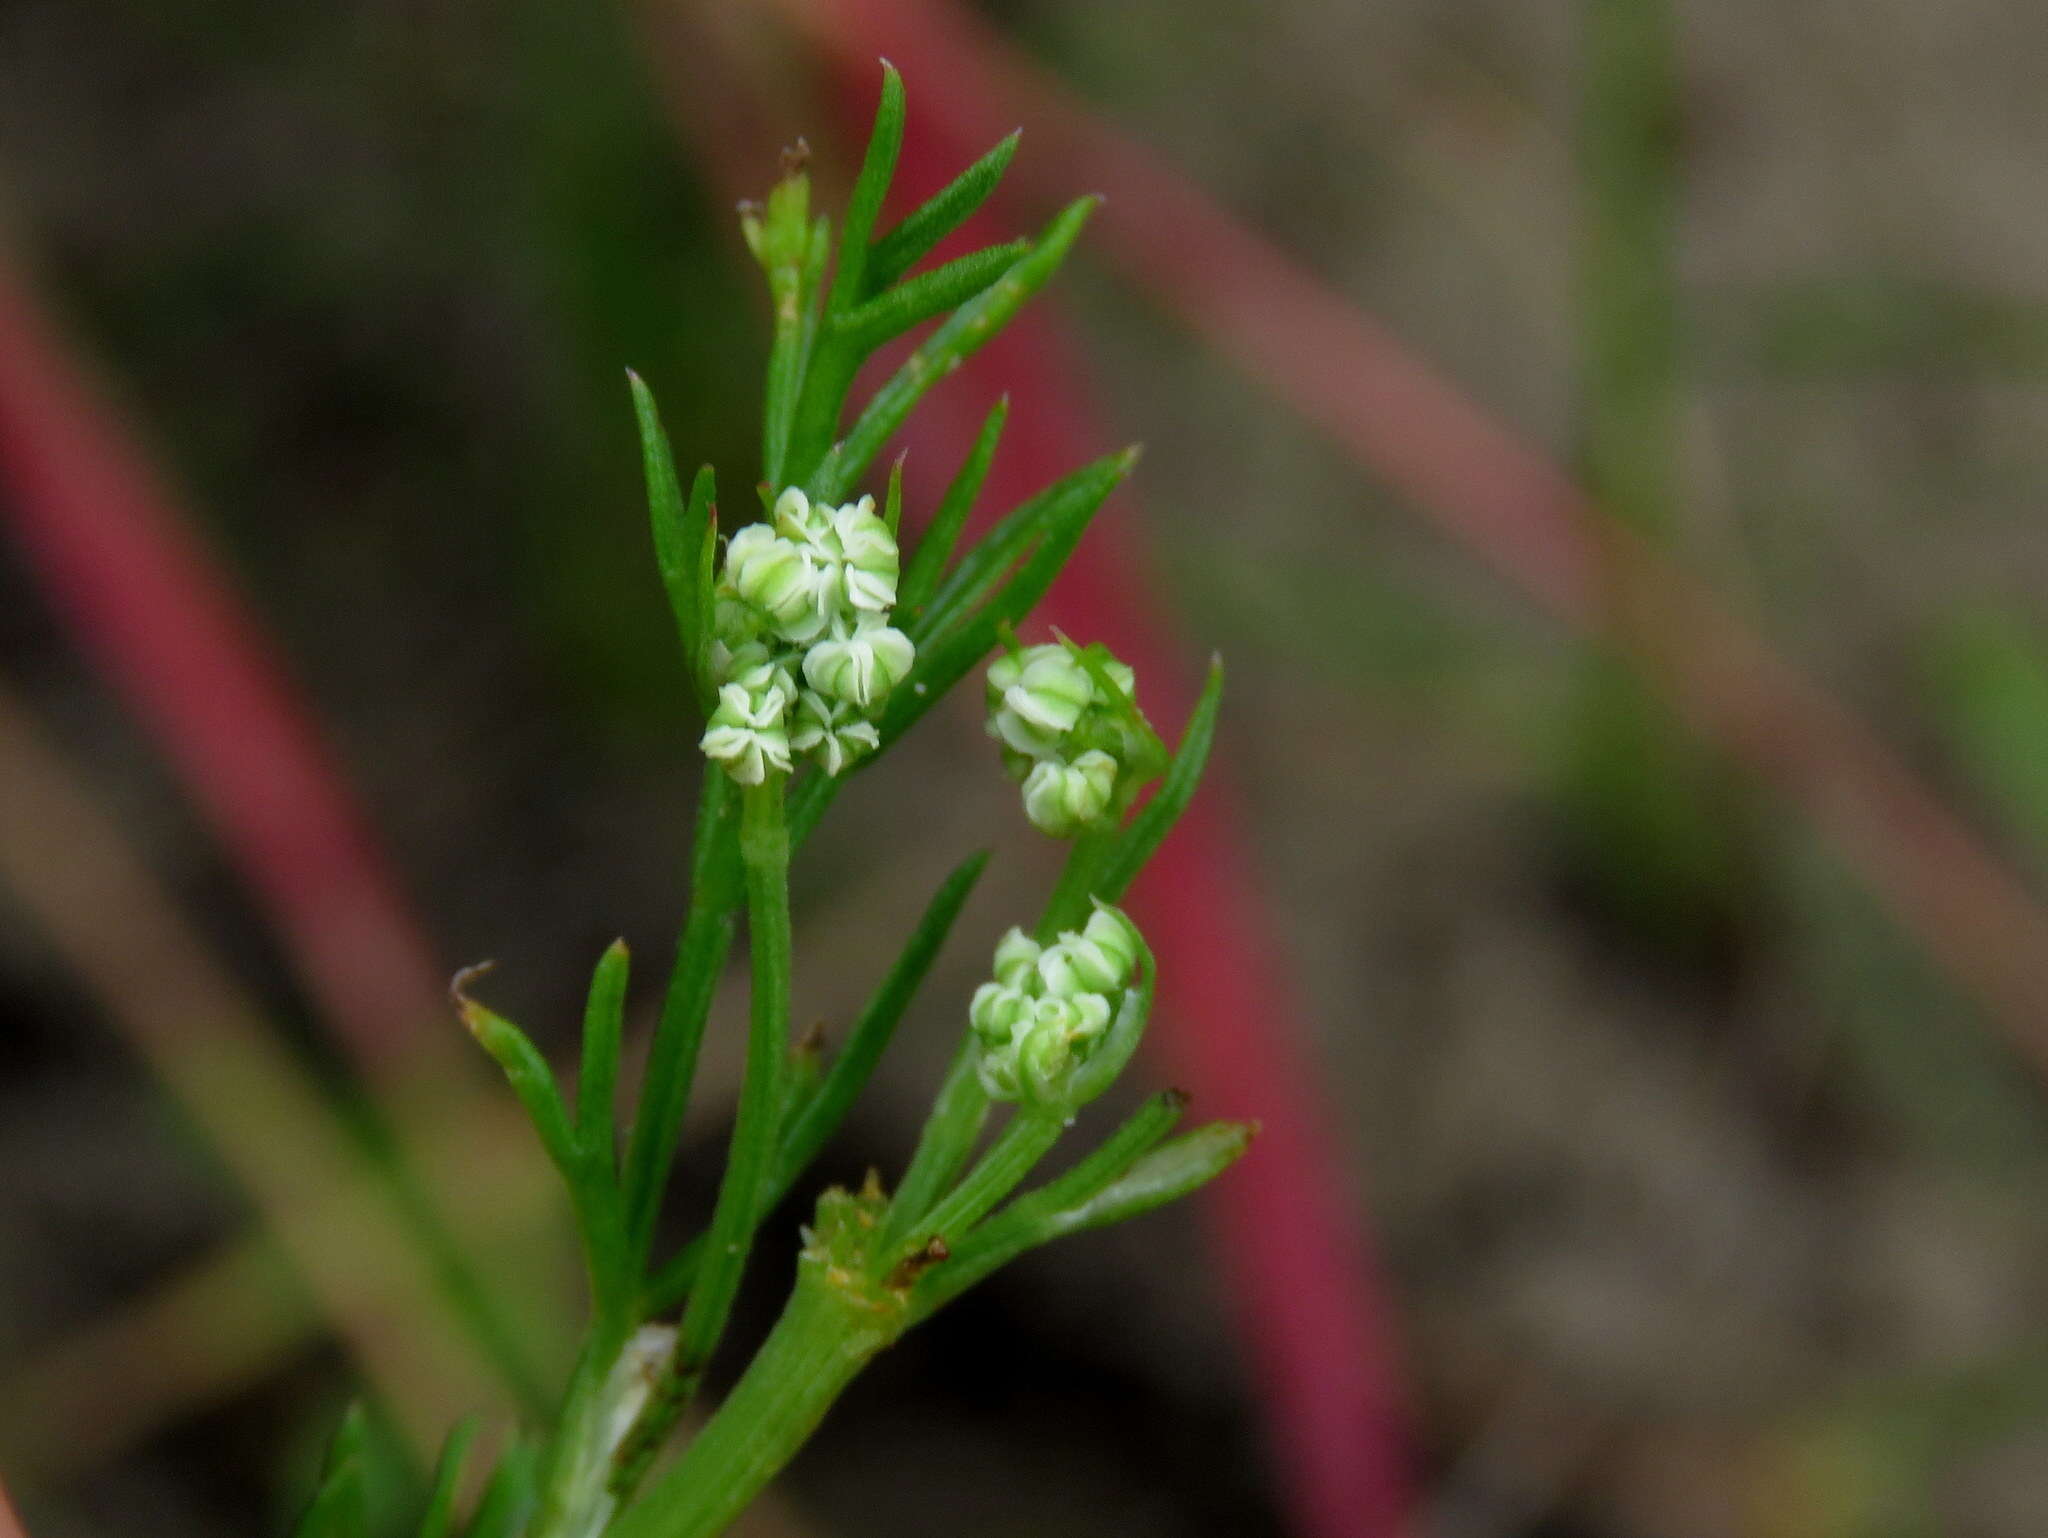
point(1044, 687)
point(832, 732)
point(868, 558)
point(996, 1012)
point(1016, 954)
point(1062, 798)
point(746, 733)
point(778, 577)
point(808, 527)
point(861, 665)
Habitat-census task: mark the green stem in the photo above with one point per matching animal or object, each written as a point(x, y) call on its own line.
point(942, 1147)
point(825, 1336)
point(1027, 1139)
point(764, 852)
point(1068, 906)
point(672, 1060)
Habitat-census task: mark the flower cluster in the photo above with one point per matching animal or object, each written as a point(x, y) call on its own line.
point(806, 596)
point(1070, 729)
point(1050, 1005)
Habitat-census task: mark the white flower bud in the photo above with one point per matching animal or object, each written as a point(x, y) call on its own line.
point(869, 561)
point(808, 527)
point(1062, 798)
point(832, 732)
point(777, 577)
point(1016, 953)
point(860, 666)
point(996, 1012)
point(746, 733)
point(1044, 687)
point(1105, 952)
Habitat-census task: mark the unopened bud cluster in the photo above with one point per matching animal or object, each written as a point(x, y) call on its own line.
point(1069, 732)
point(1049, 1005)
point(805, 654)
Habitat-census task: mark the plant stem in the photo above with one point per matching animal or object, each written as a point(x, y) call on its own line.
point(672, 1061)
point(764, 852)
point(942, 1147)
point(1027, 1139)
point(825, 1336)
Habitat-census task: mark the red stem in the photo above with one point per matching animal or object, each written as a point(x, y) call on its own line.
point(144, 598)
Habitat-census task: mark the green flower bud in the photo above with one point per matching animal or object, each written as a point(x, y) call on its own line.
point(996, 1012)
point(807, 527)
point(1040, 1023)
point(868, 559)
point(832, 732)
point(1016, 954)
point(860, 666)
point(778, 578)
point(746, 733)
point(1043, 687)
point(1062, 798)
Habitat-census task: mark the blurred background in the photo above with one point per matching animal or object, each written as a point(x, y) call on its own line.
point(1607, 439)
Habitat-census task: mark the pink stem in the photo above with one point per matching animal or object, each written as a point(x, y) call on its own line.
point(144, 598)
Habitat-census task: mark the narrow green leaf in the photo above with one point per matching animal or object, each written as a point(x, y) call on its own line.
point(509, 1498)
point(945, 661)
point(905, 246)
point(341, 1506)
point(997, 1240)
point(785, 248)
point(864, 206)
point(1148, 830)
point(935, 548)
point(871, 1033)
point(917, 300)
point(1167, 1173)
point(604, 1025)
point(892, 504)
point(984, 566)
point(679, 532)
point(526, 1071)
point(685, 1007)
point(963, 333)
point(439, 1519)
point(951, 1129)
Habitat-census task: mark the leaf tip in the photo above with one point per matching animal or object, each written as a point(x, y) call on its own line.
point(458, 991)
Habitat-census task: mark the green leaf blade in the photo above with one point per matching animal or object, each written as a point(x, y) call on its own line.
point(942, 534)
point(917, 300)
point(681, 531)
point(864, 205)
point(872, 1032)
point(1156, 819)
point(944, 212)
point(604, 1026)
point(964, 333)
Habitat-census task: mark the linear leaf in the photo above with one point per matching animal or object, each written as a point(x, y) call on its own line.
point(944, 212)
point(963, 333)
point(509, 1498)
point(1166, 1173)
point(935, 546)
point(870, 1035)
point(946, 660)
point(528, 1074)
point(680, 529)
point(917, 300)
point(438, 1521)
point(341, 1506)
point(1156, 819)
point(877, 170)
point(604, 1024)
